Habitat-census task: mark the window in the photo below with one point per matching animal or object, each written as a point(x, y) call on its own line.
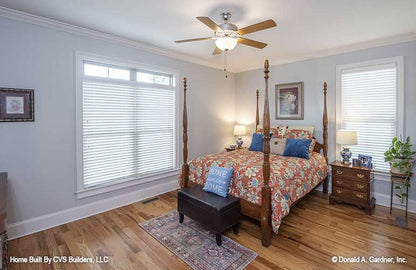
point(369, 100)
point(127, 125)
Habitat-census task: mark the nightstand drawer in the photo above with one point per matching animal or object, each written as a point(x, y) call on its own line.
point(354, 185)
point(357, 175)
point(351, 194)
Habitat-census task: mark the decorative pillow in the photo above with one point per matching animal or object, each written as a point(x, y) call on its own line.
point(256, 142)
point(273, 132)
point(218, 180)
point(298, 134)
point(281, 131)
point(297, 148)
point(310, 129)
point(277, 146)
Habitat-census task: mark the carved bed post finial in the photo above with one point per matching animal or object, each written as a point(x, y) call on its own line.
point(257, 109)
point(185, 166)
point(325, 137)
point(266, 223)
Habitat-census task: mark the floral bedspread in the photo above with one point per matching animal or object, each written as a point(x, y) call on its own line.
point(290, 178)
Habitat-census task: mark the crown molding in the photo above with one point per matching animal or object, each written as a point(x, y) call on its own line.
point(73, 29)
point(69, 28)
point(345, 49)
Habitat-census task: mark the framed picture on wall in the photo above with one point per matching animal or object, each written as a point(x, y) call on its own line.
point(17, 105)
point(289, 101)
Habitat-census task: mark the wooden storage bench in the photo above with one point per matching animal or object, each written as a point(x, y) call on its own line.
point(215, 212)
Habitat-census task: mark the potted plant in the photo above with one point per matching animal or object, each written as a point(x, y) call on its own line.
point(400, 157)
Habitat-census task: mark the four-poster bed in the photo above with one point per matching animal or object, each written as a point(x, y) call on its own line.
point(292, 178)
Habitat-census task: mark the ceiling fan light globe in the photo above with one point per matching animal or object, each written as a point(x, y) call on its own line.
point(226, 43)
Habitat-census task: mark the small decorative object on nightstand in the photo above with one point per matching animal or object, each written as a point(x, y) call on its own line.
point(239, 130)
point(352, 185)
point(346, 138)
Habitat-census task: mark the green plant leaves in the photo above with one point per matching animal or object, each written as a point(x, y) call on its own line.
point(400, 155)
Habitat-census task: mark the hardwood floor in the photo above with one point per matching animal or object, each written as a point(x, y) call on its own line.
point(309, 237)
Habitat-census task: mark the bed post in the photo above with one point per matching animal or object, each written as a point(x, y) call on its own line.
point(325, 137)
point(185, 166)
point(266, 223)
point(257, 110)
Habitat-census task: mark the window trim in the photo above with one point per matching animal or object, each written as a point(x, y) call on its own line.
point(398, 61)
point(80, 57)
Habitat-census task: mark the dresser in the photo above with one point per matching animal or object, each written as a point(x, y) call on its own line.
point(3, 221)
point(352, 185)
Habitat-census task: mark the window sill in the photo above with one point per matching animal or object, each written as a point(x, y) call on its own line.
point(382, 176)
point(87, 192)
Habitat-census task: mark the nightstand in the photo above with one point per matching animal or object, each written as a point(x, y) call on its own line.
point(352, 185)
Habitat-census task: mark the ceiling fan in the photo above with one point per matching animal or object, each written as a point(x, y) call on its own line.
point(227, 35)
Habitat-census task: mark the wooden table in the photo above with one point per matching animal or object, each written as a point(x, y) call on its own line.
point(398, 178)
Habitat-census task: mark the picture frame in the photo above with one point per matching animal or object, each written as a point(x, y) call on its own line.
point(17, 105)
point(366, 161)
point(289, 101)
point(356, 162)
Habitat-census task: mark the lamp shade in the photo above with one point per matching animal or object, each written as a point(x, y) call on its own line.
point(346, 137)
point(226, 43)
point(239, 130)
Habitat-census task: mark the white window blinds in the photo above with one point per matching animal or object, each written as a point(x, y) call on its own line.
point(369, 106)
point(128, 127)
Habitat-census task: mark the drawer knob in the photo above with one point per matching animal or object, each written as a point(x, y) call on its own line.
point(360, 186)
point(359, 195)
point(359, 175)
point(338, 172)
point(339, 182)
point(339, 191)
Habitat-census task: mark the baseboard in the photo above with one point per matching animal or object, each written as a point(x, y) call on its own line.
point(384, 200)
point(26, 227)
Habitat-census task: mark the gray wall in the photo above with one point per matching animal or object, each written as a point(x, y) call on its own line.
point(314, 72)
point(40, 157)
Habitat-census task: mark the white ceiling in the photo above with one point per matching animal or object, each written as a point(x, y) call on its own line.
point(306, 28)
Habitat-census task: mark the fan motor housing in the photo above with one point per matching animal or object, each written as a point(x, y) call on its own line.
point(229, 27)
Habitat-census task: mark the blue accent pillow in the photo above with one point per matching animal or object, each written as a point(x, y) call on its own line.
point(218, 180)
point(297, 148)
point(256, 142)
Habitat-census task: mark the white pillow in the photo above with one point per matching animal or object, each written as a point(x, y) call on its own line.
point(310, 129)
point(277, 146)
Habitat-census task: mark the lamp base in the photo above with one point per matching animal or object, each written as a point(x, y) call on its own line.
point(346, 155)
point(239, 142)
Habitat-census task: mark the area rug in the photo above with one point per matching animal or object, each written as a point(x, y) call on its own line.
point(196, 245)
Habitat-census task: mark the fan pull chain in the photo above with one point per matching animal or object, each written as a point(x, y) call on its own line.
point(225, 63)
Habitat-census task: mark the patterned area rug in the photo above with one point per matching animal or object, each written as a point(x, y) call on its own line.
point(195, 244)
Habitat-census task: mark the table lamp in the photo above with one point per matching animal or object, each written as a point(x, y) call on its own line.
point(239, 130)
point(346, 138)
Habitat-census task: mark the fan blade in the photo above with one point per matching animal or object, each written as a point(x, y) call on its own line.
point(252, 43)
point(193, 39)
point(257, 27)
point(210, 23)
point(216, 51)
